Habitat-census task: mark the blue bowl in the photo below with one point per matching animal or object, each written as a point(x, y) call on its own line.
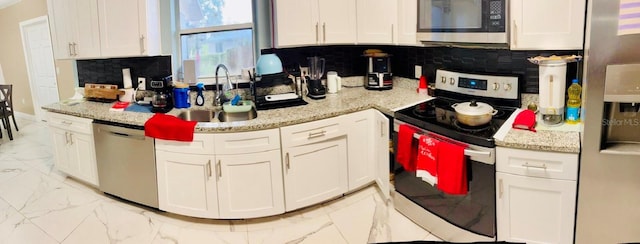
point(268, 64)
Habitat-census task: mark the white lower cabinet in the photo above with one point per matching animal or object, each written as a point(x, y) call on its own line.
point(187, 184)
point(359, 144)
point(535, 196)
point(250, 185)
point(74, 148)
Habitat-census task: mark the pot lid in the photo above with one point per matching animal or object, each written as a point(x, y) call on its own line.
point(473, 108)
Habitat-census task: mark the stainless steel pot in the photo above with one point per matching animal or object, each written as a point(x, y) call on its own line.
point(473, 113)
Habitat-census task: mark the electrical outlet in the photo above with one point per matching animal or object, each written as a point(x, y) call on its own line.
point(304, 71)
point(418, 71)
point(142, 83)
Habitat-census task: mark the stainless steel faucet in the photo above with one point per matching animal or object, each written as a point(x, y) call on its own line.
point(220, 97)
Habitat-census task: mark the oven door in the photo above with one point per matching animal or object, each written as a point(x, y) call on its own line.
point(470, 217)
point(474, 21)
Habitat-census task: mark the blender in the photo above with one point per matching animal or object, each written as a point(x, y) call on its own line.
point(314, 81)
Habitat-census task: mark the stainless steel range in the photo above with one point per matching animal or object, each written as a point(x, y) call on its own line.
point(468, 217)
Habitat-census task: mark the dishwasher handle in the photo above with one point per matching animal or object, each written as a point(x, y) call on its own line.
point(136, 137)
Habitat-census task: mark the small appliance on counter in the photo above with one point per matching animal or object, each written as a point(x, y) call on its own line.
point(162, 101)
point(379, 76)
point(314, 80)
point(272, 87)
point(552, 86)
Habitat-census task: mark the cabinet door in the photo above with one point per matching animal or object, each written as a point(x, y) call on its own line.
point(381, 151)
point(296, 22)
point(547, 24)
point(186, 184)
point(376, 21)
point(120, 29)
point(62, 26)
point(250, 185)
point(535, 210)
point(87, 35)
point(360, 144)
point(407, 22)
point(84, 155)
point(61, 149)
point(315, 172)
point(337, 21)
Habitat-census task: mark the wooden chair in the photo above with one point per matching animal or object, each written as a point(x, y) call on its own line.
point(6, 95)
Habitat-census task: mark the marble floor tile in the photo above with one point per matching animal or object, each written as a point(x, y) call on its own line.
point(15, 228)
point(295, 233)
point(355, 221)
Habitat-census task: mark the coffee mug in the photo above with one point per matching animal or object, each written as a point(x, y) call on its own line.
point(334, 82)
point(127, 96)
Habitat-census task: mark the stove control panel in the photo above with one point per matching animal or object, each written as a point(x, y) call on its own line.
point(496, 86)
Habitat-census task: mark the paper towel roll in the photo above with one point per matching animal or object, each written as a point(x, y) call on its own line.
point(126, 78)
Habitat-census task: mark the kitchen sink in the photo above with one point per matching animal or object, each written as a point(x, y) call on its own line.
point(199, 115)
point(225, 116)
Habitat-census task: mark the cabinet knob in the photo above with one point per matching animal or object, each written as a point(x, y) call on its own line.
point(496, 86)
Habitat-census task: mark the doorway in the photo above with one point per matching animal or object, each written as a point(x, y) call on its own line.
point(38, 51)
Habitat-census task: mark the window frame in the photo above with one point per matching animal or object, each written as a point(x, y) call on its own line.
point(177, 44)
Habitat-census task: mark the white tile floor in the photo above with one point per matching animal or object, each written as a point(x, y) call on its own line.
point(38, 204)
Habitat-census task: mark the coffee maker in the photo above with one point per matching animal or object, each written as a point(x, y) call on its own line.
point(162, 101)
point(314, 81)
point(379, 76)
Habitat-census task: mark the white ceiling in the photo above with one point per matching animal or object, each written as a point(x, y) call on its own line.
point(7, 3)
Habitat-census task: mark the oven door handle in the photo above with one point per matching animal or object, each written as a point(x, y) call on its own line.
point(474, 153)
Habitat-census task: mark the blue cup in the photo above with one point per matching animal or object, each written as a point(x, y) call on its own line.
point(181, 98)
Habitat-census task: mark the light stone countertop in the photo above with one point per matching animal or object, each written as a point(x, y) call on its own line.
point(347, 100)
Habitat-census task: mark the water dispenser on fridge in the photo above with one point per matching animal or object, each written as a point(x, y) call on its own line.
point(621, 122)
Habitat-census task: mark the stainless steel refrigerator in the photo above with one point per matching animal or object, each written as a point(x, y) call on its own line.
point(609, 179)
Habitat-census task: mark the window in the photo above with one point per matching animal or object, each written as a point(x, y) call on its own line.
point(216, 32)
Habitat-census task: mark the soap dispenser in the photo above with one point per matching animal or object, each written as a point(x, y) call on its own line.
point(200, 97)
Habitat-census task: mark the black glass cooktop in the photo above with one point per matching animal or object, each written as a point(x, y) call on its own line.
point(439, 117)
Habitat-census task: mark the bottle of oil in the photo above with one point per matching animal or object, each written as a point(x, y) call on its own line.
point(573, 102)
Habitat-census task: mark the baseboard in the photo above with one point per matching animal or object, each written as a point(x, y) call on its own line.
point(21, 115)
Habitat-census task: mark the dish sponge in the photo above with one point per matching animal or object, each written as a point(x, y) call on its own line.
point(242, 106)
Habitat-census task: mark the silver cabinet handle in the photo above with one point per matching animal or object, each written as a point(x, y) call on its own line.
point(75, 51)
point(527, 165)
point(66, 138)
point(392, 32)
point(317, 134)
point(286, 161)
point(515, 33)
point(70, 52)
point(500, 189)
point(142, 44)
point(219, 168)
point(209, 168)
point(316, 32)
point(324, 32)
point(70, 138)
point(67, 123)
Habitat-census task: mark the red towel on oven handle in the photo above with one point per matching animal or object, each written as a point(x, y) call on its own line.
point(427, 159)
point(452, 168)
point(407, 151)
point(169, 127)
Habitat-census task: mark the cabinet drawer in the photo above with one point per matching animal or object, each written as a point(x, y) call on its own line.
point(553, 165)
point(311, 132)
point(247, 142)
point(70, 122)
point(201, 144)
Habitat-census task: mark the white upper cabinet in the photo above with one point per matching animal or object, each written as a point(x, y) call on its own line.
point(407, 23)
point(547, 24)
point(74, 24)
point(131, 28)
point(311, 22)
point(377, 21)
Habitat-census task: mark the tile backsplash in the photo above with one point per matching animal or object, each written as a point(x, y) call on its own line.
point(348, 61)
point(109, 71)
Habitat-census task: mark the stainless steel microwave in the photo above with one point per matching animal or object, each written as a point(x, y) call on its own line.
point(462, 21)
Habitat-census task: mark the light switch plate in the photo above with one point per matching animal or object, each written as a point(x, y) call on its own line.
point(418, 72)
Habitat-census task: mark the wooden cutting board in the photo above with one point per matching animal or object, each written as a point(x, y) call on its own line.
point(102, 91)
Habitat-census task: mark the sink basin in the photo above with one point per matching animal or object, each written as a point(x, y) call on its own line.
point(225, 116)
point(197, 115)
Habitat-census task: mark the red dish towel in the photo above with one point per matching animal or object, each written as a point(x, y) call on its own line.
point(168, 127)
point(407, 149)
point(452, 168)
point(427, 159)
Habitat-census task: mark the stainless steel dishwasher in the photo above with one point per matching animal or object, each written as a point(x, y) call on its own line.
point(126, 162)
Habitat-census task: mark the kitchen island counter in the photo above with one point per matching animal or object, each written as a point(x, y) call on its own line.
point(347, 100)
